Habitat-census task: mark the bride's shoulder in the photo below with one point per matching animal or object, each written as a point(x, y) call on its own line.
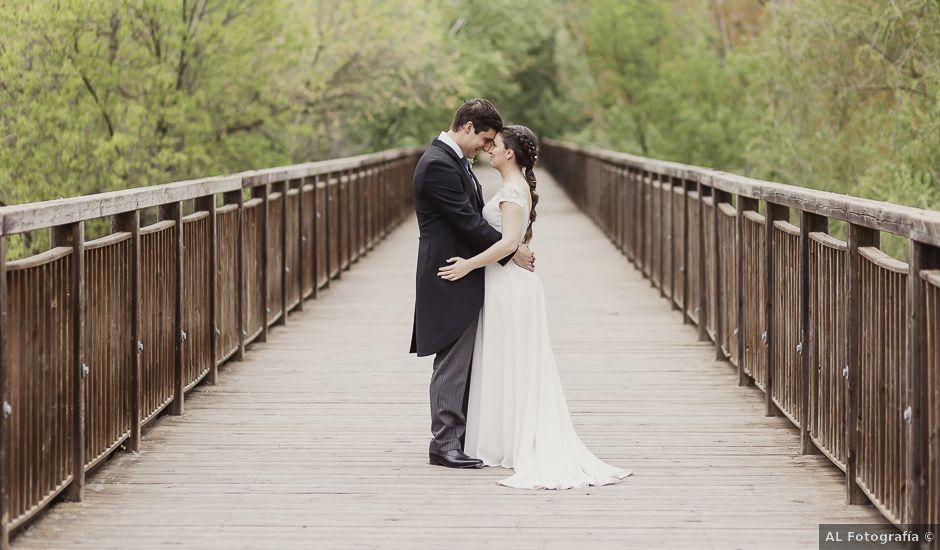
point(513, 193)
point(514, 190)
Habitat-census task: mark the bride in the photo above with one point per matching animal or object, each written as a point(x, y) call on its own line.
point(517, 416)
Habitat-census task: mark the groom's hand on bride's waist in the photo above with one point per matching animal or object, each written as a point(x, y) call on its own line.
point(524, 257)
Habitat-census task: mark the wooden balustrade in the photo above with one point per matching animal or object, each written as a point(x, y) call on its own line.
point(678, 248)
point(155, 345)
point(98, 337)
point(843, 339)
point(726, 280)
point(825, 379)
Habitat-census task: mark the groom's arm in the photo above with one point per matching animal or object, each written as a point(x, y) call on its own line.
point(443, 187)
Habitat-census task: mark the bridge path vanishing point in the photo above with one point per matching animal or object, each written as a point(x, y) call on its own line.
point(318, 439)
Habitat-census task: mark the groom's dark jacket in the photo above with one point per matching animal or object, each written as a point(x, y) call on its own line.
point(448, 202)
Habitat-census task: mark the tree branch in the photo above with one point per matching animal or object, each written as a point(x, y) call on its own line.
point(243, 126)
point(104, 113)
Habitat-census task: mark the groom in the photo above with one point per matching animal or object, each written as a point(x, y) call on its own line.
point(448, 200)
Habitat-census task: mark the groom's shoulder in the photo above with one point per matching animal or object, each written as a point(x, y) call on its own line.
point(436, 166)
point(436, 150)
point(435, 156)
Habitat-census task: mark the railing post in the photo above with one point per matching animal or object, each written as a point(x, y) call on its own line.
point(858, 237)
point(174, 211)
point(5, 412)
point(358, 190)
point(661, 234)
point(351, 247)
point(617, 206)
point(636, 220)
point(623, 185)
point(376, 179)
point(327, 224)
point(385, 197)
point(640, 211)
point(632, 215)
point(263, 192)
point(629, 221)
point(353, 203)
point(238, 197)
point(743, 205)
point(340, 233)
point(610, 202)
point(368, 210)
point(284, 187)
point(376, 195)
point(809, 223)
point(371, 195)
point(686, 318)
point(342, 221)
point(316, 237)
point(621, 210)
point(130, 222)
point(397, 188)
point(301, 242)
point(670, 181)
point(208, 204)
point(649, 223)
point(717, 198)
point(398, 191)
point(383, 200)
point(920, 257)
point(600, 190)
point(73, 236)
point(702, 281)
point(626, 206)
point(588, 195)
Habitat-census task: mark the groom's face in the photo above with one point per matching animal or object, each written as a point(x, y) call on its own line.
point(475, 142)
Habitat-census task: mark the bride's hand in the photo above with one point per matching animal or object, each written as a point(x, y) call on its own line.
point(457, 269)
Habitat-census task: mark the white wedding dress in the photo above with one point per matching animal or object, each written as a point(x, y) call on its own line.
point(517, 416)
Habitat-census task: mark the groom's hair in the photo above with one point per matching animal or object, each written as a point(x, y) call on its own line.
point(481, 113)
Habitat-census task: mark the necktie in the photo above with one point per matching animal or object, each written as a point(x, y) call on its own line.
point(476, 184)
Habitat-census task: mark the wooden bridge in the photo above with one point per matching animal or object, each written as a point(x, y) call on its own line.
point(281, 330)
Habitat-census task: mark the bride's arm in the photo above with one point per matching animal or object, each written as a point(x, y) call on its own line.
point(512, 225)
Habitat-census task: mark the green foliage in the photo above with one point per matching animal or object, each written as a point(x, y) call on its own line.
point(100, 95)
point(842, 95)
point(853, 103)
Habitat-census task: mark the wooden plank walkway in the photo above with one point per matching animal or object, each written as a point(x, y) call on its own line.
point(319, 439)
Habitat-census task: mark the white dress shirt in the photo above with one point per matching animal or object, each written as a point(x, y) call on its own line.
point(445, 137)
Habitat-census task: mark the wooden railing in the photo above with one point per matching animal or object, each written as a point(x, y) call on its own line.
point(843, 339)
point(98, 337)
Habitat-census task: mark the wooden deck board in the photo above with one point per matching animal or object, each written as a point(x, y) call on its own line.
point(319, 438)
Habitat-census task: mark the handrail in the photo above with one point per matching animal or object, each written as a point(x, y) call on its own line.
point(39, 215)
point(841, 337)
point(916, 223)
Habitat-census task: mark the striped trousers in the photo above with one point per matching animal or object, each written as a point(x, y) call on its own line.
point(450, 392)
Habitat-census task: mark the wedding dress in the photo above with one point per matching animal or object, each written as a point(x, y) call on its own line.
point(517, 415)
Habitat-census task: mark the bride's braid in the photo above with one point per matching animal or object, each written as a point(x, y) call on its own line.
point(526, 148)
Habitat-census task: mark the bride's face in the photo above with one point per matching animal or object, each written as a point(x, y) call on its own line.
point(499, 154)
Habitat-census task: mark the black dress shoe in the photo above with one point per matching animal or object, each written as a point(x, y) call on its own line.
point(454, 459)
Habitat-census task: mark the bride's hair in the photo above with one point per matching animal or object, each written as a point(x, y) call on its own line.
point(526, 148)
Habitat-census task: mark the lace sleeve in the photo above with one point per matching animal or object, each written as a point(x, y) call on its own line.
point(511, 193)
